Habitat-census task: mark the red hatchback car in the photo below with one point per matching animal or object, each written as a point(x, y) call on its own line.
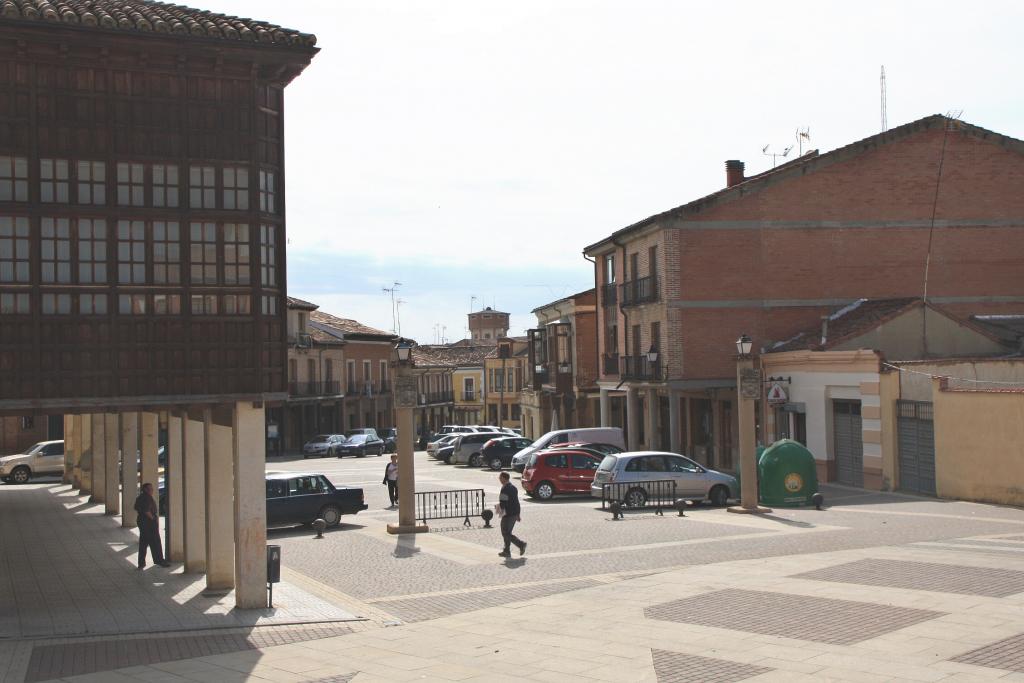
point(560, 471)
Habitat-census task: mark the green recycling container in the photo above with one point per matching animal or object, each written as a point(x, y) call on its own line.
point(788, 477)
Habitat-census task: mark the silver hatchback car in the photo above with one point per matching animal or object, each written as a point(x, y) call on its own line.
point(693, 481)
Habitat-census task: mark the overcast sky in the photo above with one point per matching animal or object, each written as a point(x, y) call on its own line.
point(473, 148)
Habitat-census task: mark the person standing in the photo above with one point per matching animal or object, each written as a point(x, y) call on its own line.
point(149, 528)
point(508, 499)
point(391, 479)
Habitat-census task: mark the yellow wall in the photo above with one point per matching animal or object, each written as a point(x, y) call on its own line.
point(979, 445)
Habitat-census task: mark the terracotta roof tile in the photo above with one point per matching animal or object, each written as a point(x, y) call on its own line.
point(156, 17)
point(300, 304)
point(851, 320)
point(450, 355)
point(344, 326)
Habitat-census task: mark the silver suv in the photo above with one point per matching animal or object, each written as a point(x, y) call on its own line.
point(693, 481)
point(468, 447)
point(44, 458)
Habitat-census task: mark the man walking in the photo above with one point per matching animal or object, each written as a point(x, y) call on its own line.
point(508, 499)
point(149, 528)
point(391, 479)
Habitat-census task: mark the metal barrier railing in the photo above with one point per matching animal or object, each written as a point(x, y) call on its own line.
point(452, 504)
point(655, 493)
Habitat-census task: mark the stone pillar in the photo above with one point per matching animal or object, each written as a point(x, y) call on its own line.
point(249, 459)
point(85, 456)
point(716, 457)
point(76, 454)
point(651, 427)
point(606, 409)
point(129, 467)
point(748, 436)
point(689, 427)
point(674, 437)
point(173, 475)
point(112, 455)
point(149, 444)
point(220, 514)
point(69, 449)
point(194, 491)
point(632, 420)
point(99, 460)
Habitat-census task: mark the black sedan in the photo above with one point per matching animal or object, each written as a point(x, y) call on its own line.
point(444, 453)
point(497, 453)
point(302, 498)
point(360, 445)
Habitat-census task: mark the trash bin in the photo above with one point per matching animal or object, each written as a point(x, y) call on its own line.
point(787, 475)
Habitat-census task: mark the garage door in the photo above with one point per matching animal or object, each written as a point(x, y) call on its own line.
point(849, 448)
point(916, 446)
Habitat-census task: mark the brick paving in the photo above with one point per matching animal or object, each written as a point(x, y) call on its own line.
point(1005, 654)
point(676, 667)
point(801, 617)
point(923, 576)
point(77, 658)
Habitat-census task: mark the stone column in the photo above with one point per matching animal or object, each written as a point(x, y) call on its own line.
point(651, 427)
point(99, 460)
point(748, 427)
point(69, 449)
point(688, 409)
point(674, 437)
point(149, 444)
point(173, 475)
point(715, 457)
point(405, 405)
point(632, 420)
point(112, 455)
point(606, 408)
point(249, 459)
point(220, 527)
point(85, 457)
point(129, 467)
point(194, 491)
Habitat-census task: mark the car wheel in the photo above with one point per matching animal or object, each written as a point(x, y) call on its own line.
point(635, 498)
point(474, 460)
point(380, 451)
point(447, 459)
point(331, 514)
point(21, 475)
point(545, 490)
point(361, 454)
point(496, 464)
point(719, 496)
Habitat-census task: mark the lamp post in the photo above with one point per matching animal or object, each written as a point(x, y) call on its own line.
point(405, 402)
point(748, 390)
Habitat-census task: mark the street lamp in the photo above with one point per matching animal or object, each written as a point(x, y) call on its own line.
point(748, 390)
point(652, 355)
point(743, 345)
point(405, 401)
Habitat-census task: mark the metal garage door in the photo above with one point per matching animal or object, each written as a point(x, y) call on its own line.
point(849, 448)
point(916, 446)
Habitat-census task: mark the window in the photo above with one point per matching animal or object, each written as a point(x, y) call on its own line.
point(236, 188)
point(167, 304)
point(559, 461)
point(652, 262)
point(165, 185)
point(467, 388)
point(237, 304)
point(131, 187)
point(583, 462)
point(131, 252)
point(204, 304)
point(656, 338)
point(131, 304)
point(682, 465)
point(277, 488)
point(310, 370)
point(634, 266)
point(54, 180)
point(92, 250)
point(13, 179)
point(166, 252)
point(268, 255)
point(366, 372)
point(383, 375)
point(267, 192)
point(59, 304)
point(269, 305)
point(14, 251)
point(236, 254)
point(92, 182)
point(202, 187)
point(56, 250)
point(350, 370)
point(92, 304)
point(609, 269)
point(203, 260)
point(11, 303)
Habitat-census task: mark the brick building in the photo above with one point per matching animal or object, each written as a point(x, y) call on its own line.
point(929, 209)
point(505, 371)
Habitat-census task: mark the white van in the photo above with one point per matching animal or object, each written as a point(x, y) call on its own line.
point(612, 435)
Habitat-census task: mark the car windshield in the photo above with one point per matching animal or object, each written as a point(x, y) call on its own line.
point(35, 449)
point(357, 438)
point(320, 438)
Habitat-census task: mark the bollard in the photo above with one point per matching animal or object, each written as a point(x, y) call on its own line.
point(818, 500)
point(680, 505)
point(319, 525)
point(273, 571)
point(487, 516)
point(616, 508)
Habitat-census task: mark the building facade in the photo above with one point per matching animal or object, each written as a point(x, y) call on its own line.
point(488, 325)
point(504, 373)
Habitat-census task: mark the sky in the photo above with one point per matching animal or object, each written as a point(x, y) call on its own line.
point(470, 149)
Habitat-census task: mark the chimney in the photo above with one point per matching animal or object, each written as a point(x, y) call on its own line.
point(733, 172)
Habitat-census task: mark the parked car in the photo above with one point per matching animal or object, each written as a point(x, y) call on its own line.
point(441, 442)
point(599, 450)
point(321, 445)
point(560, 471)
point(468, 446)
point(497, 453)
point(45, 458)
point(693, 481)
point(369, 431)
point(360, 445)
point(611, 435)
point(390, 437)
point(444, 453)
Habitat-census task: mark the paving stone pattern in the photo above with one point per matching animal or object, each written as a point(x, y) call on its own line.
point(925, 576)
point(77, 658)
point(434, 606)
point(344, 678)
point(1005, 654)
point(824, 620)
point(675, 667)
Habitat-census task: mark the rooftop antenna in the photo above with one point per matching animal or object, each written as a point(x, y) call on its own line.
point(776, 155)
point(394, 312)
point(398, 315)
point(472, 300)
point(801, 135)
point(881, 82)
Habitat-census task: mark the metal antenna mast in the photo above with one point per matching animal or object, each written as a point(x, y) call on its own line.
point(775, 155)
point(881, 81)
point(398, 314)
point(394, 310)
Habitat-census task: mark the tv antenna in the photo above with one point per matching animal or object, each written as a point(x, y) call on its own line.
point(881, 83)
point(776, 155)
point(394, 307)
point(801, 135)
point(398, 315)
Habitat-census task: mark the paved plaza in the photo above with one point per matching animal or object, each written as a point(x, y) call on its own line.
point(877, 587)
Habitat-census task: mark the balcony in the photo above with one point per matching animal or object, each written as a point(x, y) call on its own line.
point(469, 396)
point(638, 367)
point(436, 397)
point(314, 388)
point(640, 291)
point(609, 294)
point(610, 366)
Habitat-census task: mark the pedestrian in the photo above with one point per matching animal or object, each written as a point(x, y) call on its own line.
point(391, 479)
point(508, 500)
point(148, 519)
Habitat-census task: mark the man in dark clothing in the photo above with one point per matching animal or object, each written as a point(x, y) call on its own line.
point(391, 479)
point(508, 499)
point(149, 528)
